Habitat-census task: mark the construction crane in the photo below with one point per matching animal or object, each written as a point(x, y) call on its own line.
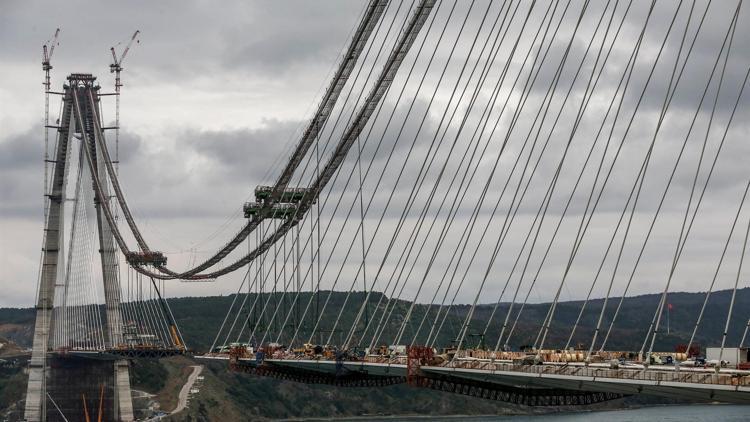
point(116, 68)
point(47, 50)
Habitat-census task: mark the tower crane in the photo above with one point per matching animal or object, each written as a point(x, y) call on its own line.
point(116, 68)
point(47, 50)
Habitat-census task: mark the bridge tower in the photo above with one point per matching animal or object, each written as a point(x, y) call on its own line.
point(66, 383)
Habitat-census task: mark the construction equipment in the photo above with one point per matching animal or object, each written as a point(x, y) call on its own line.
point(257, 210)
point(47, 50)
point(264, 193)
point(116, 68)
point(146, 258)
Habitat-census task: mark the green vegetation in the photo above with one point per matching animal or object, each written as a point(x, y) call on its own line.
point(12, 386)
point(148, 375)
point(199, 319)
point(231, 396)
point(225, 395)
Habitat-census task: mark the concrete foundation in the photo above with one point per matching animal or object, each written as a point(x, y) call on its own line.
point(79, 386)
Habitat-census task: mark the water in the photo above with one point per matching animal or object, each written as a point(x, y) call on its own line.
point(691, 413)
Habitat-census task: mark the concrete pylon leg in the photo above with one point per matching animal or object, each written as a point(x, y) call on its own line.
point(34, 410)
point(123, 397)
point(36, 395)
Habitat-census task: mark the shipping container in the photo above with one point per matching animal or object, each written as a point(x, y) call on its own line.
point(732, 355)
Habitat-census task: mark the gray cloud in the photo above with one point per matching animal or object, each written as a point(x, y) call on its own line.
point(214, 96)
point(242, 154)
point(20, 170)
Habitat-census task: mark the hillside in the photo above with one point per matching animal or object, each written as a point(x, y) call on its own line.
point(199, 319)
point(226, 395)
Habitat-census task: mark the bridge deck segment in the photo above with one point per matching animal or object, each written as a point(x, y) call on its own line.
point(692, 383)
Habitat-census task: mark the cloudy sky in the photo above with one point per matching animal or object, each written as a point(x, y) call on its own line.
point(215, 96)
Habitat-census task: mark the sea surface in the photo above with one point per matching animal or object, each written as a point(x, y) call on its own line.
point(689, 413)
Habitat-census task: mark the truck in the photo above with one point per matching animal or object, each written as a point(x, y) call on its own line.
point(732, 356)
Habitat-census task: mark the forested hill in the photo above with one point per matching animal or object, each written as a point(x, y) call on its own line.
point(232, 396)
point(200, 317)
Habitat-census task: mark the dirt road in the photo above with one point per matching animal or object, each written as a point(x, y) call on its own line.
point(182, 402)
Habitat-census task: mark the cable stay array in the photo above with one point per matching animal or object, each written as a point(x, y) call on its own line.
point(523, 181)
point(115, 317)
point(483, 186)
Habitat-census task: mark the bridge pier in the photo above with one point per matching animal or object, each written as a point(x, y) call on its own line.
point(124, 402)
point(79, 386)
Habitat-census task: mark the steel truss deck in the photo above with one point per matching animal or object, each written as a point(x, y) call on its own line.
point(531, 385)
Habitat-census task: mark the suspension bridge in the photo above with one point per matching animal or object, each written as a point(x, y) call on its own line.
point(463, 154)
